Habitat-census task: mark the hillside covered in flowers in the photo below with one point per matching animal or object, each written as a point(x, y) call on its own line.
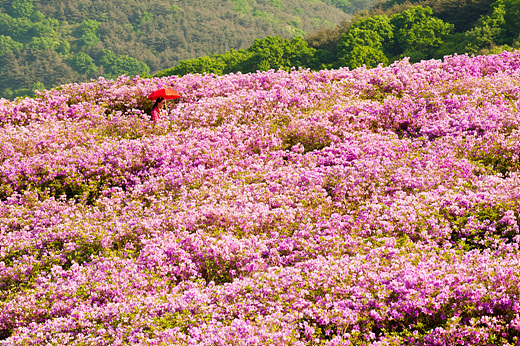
point(340, 207)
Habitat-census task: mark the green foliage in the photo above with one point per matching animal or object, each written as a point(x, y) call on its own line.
point(157, 34)
point(21, 8)
point(88, 32)
point(217, 64)
point(323, 59)
point(241, 6)
point(7, 43)
point(231, 59)
point(17, 28)
point(497, 49)
point(343, 4)
point(327, 40)
point(511, 26)
point(37, 16)
point(200, 65)
point(267, 53)
point(83, 63)
point(64, 47)
point(274, 52)
point(118, 65)
point(452, 44)
point(20, 70)
point(463, 14)
point(364, 56)
point(45, 28)
point(42, 43)
point(363, 43)
point(359, 37)
point(487, 31)
point(176, 8)
point(38, 86)
point(147, 17)
point(87, 39)
point(380, 24)
point(417, 33)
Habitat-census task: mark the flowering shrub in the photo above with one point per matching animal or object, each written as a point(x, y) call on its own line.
point(364, 207)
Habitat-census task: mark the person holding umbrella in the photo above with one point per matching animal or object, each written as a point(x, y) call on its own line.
point(157, 109)
point(160, 97)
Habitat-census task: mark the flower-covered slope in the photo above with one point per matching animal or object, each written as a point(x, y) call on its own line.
point(364, 207)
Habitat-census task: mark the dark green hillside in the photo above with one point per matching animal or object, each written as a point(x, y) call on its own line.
point(463, 14)
point(160, 33)
point(388, 32)
point(56, 41)
point(47, 43)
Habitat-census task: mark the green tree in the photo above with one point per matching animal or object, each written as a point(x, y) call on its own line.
point(342, 4)
point(64, 47)
point(365, 56)
point(241, 6)
point(365, 41)
point(23, 69)
point(417, 33)
point(38, 86)
point(147, 17)
point(232, 59)
point(359, 37)
point(18, 28)
point(218, 64)
point(274, 52)
point(108, 58)
point(160, 34)
point(200, 65)
point(323, 59)
point(37, 17)
point(46, 28)
point(7, 43)
point(453, 44)
point(21, 8)
point(116, 66)
point(487, 31)
point(83, 63)
point(44, 35)
point(13, 72)
point(266, 53)
point(88, 32)
point(129, 66)
point(42, 43)
point(511, 27)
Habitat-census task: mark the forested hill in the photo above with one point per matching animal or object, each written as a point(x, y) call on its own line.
point(60, 41)
point(390, 31)
point(50, 43)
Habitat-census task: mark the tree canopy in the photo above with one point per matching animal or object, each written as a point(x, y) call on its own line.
point(62, 41)
point(144, 37)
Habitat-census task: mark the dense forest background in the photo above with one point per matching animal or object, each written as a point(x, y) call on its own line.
point(51, 42)
point(389, 31)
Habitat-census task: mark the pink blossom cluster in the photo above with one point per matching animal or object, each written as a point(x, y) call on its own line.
point(339, 207)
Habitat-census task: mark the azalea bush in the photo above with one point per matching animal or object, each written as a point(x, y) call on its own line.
point(340, 207)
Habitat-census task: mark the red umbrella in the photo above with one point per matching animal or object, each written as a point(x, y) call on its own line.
point(164, 93)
